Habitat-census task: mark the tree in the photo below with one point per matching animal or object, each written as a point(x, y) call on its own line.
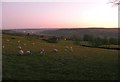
point(105, 41)
point(76, 38)
point(118, 41)
point(113, 41)
point(87, 37)
point(52, 39)
point(115, 2)
point(97, 41)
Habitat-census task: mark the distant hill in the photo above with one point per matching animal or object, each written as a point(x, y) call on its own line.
point(23, 31)
point(103, 32)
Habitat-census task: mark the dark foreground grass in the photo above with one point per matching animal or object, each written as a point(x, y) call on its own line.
point(81, 64)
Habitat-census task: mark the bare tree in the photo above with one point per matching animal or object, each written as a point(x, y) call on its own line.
point(115, 2)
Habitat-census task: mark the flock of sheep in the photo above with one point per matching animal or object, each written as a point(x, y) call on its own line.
point(41, 51)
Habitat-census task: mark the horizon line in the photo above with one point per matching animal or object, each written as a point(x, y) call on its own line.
point(63, 28)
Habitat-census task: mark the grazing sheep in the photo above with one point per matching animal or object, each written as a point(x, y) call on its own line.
point(66, 47)
point(8, 40)
point(32, 32)
point(19, 47)
point(3, 46)
point(71, 49)
point(19, 41)
point(21, 52)
point(42, 51)
point(28, 52)
point(55, 50)
point(24, 31)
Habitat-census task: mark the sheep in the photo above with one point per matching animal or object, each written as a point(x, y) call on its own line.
point(32, 32)
point(71, 49)
point(65, 49)
point(8, 40)
point(28, 52)
point(68, 48)
point(18, 41)
point(24, 31)
point(3, 46)
point(42, 51)
point(55, 50)
point(21, 52)
point(19, 47)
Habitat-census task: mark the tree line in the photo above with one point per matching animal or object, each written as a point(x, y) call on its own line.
point(96, 41)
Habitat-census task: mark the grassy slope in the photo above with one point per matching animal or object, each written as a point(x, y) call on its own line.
point(81, 64)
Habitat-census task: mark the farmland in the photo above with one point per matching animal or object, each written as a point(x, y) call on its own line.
point(84, 63)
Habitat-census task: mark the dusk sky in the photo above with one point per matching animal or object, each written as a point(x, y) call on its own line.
point(85, 13)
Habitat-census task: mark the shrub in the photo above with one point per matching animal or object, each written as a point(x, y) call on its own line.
point(52, 39)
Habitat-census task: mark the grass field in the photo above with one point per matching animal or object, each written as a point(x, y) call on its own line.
point(84, 63)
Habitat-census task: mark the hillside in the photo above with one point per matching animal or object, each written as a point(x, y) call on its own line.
point(103, 32)
point(83, 63)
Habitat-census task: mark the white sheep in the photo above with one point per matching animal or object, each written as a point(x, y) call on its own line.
point(21, 52)
point(71, 49)
point(19, 47)
point(66, 48)
point(32, 32)
point(28, 52)
point(18, 41)
point(24, 31)
point(42, 51)
point(8, 40)
point(3, 46)
point(55, 50)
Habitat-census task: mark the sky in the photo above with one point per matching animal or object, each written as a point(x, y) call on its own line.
point(58, 14)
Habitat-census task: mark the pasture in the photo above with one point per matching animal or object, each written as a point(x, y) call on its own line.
point(84, 63)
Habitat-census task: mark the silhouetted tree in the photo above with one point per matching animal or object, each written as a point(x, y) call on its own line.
point(76, 38)
point(96, 42)
point(113, 41)
point(87, 37)
point(115, 2)
point(118, 41)
point(105, 41)
point(52, 40)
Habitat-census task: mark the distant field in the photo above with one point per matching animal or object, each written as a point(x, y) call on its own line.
point(84, 63)
point(85, 43)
